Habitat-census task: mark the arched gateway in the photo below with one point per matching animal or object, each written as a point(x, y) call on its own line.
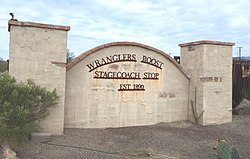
point(124, 84)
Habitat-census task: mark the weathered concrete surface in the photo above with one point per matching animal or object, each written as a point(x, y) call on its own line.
point(161, 89)
point(209, 63)
point(40, 137)
point(96, 103)
point(34, 54)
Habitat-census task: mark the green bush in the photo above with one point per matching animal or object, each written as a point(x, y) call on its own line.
point(3, 65)
point(21, 106)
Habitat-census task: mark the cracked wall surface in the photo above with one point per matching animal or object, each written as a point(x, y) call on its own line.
point(209, 64)
point(97, 103)
point(33, 54)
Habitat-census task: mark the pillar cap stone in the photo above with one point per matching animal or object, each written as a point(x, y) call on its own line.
point(37, 25)
point(207, 42)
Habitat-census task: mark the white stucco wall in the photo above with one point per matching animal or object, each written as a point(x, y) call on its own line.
point(218, 95)
point(33, 48)
point(209, 63)
point(38, 52)
point(96, 103)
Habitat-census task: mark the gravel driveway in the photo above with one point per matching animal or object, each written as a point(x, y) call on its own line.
point(163, 141)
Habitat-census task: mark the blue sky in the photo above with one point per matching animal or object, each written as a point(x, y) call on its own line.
point(162, 24)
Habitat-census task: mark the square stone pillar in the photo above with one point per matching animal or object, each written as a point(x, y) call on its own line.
point(209, 63)
point(38, 52)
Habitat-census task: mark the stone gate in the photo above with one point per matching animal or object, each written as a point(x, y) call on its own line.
point(123, 83)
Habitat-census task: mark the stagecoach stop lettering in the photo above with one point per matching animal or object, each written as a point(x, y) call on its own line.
point(126, 75)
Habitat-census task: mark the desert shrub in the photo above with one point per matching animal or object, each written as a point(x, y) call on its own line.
point(245, 94)
point(21, 106)
point(3, 65)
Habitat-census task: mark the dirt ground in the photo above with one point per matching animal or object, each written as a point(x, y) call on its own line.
point(162, 141)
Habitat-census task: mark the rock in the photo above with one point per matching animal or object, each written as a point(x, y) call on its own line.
point(9, 154)
point(243, 108)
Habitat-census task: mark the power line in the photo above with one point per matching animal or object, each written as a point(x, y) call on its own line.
point(240, 47)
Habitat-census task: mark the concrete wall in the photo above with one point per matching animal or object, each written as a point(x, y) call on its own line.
point(94, 99)
point(209, 63)
point(96, 103)
point(38, 52)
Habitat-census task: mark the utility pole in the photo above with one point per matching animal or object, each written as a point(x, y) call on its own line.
point(240, 51)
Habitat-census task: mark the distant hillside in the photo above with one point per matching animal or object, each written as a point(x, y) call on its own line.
point(3, 66)
point(245, 58)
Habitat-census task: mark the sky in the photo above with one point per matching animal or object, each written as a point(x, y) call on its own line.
point(162, 24)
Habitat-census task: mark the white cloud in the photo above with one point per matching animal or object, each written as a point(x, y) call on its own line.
point(162, 24)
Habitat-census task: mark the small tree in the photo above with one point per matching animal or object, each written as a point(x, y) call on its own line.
point(70, 56)
point(21, 105)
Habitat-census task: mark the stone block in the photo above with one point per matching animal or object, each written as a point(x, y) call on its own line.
point(40, 137)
